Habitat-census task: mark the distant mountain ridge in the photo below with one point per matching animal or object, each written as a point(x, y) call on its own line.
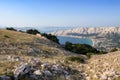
point(89, 30)
point(102, 37)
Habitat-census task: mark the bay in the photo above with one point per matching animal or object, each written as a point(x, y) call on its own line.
point(64, 39)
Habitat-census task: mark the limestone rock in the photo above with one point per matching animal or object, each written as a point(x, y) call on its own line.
point(22, 70)
point(37, 72)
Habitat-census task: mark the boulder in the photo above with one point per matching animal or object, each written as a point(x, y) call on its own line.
point(34, 62)
point(37, 72)
point(45, 65)
point(47, 73)
point(16, 58)
point(57, 68)
point(22, 70)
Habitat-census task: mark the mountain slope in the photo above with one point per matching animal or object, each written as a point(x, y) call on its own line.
point(103, 67)
point(20, 51)
point(12, 42)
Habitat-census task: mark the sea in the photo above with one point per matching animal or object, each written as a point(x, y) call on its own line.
point(64, 39)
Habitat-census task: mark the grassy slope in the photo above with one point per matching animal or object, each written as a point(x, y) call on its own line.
point(25, 46)
point(12, 42)
point(25, 43)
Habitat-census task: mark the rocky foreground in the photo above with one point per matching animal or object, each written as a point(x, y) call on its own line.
point(99, 67)
point(32, 68)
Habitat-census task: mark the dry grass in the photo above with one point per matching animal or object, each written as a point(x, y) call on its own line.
point(13, 36)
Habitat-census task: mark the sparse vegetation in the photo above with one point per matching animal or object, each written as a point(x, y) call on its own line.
point(51, 37)
point(103, 52)
point(6, 36)
point(114, 49)
point(32, 31)
point(75, 59)
point(48, 36)
point(80, 48)
point(89, 55)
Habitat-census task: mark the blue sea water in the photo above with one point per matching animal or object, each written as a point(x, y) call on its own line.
point(64, 39)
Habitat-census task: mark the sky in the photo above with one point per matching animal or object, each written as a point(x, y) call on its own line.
point(62, 13)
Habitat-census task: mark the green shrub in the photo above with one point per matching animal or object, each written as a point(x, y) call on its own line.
point(11, 28)
point(21, 31)
point(51, 37)
point(89, 55)
point(75, 59)
point(80, 48)
point(68, 46)
point(48, 36)
point(114, 49)
point(103, 52)
point(6, 36)
point(32, 31)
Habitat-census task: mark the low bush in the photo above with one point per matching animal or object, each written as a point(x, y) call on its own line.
point(103, 52)
point(114, 49)
point(32, 31)
point(10, 28)
point(6, 36)
point(51, 37)
point(75, 59)
point(80, 48)
point(89, 55)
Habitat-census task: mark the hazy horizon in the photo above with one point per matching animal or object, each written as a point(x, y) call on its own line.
point(59, 13)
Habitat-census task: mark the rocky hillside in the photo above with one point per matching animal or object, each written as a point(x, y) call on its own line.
point(33, 57)
point(12, 42)
point(102, 37)
point(103, 67)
